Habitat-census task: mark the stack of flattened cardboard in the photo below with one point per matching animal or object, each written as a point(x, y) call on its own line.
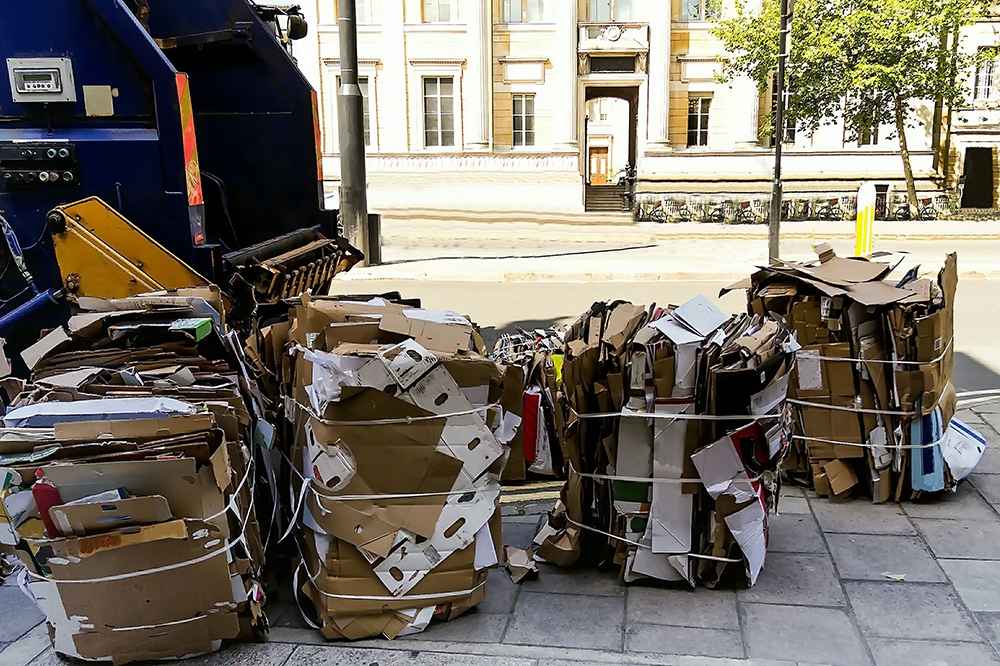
point(872, 384)
point(647, 393)
point(128, 481)
point(397, 434)
point(536, 447)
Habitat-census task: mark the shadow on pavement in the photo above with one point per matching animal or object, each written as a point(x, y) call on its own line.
point(491, 333)
point(971, 375)
point(548, 255)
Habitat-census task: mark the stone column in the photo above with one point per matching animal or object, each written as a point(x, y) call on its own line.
point(564, 65)
point(479, 76)
point(744, 113)
point(391, 104)
point(658, 67)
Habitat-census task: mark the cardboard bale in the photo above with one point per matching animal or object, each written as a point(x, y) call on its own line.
point(152, 549)
point(620, 395)
point(876, 358)
point(366, 380)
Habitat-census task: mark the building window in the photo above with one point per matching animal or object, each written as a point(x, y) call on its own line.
point(439, 111)
point(526, 11)
point(363, 84)
point(438, 11)
point(698, 120)
point(366, 11)
point(524, 120)
point(616, 64)
point(987, 75)
point(868, 134)
point(699, 10)
point(611, 10)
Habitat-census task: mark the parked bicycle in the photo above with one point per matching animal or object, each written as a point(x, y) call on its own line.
point(745, 214)
point(720, 213)
point(664, 211)
point(831, 211)
point(927, 211)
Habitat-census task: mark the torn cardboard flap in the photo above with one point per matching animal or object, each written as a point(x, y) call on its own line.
point(520, 563)
point(461, 519)
point(440, 330)
point(93, 517)
point(465, 435)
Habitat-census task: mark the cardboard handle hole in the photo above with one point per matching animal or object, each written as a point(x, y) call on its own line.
point(441, 399)
point(467, 497)
point(396, 573)
point(390, 389)
point(412, 353)
point(474, 443)
point(358, 529)
point(456, 526)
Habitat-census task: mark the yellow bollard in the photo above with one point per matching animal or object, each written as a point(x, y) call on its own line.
point(864, 230)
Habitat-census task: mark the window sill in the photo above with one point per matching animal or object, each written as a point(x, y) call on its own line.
point(363, 28)
point(434, 27)
point(695, 25)
point(524, 27)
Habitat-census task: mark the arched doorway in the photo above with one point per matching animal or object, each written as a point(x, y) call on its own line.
point(610, 145)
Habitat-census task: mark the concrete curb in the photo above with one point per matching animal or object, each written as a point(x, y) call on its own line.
point(583, 656)
point(581, 277)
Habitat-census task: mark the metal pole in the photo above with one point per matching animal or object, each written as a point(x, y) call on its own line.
point(350, 112)
point(774, 230)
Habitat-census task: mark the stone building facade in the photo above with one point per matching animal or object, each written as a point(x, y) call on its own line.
point(515, 109)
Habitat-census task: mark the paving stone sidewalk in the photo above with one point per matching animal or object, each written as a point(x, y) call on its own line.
point(827, 595)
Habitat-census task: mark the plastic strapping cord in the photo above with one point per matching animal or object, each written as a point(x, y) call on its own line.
point(679, 416)
point(642, 545)
point(887, 361)
point(403, 419)
point(857, 410)
point(890, 447)
point(646, 479)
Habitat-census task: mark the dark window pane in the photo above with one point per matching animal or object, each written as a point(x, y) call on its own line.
point(518, 99)
point(529, 138)
point(518, 140)
point(518, 123)
point(431, 105)
point(430, 87)
point(447, 138)
point(624, 64)
point(692, 138)
point(430, 138)
point(529, 123)
point(529, 104)
point(430, 122)
point(447, 121)
point(446, 86)
point(447, 104)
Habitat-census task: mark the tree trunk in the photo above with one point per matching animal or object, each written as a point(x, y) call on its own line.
point(904, 152)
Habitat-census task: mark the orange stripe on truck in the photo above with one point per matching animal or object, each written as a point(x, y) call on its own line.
point(191, 168)
point(319, 145)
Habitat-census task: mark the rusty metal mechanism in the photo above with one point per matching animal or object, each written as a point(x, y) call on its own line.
point(302, 267)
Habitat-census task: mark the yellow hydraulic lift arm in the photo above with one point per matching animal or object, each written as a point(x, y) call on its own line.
point(102, 254)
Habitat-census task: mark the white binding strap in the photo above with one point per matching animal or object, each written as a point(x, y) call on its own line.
point(403, 419)
point(646, 479)
point(944, 353)
point(641, 545)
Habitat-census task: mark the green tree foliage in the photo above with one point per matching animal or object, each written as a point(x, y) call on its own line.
point(862, 62)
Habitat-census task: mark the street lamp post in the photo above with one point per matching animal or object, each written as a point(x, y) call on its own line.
point(350, 109)
point(774, 228)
